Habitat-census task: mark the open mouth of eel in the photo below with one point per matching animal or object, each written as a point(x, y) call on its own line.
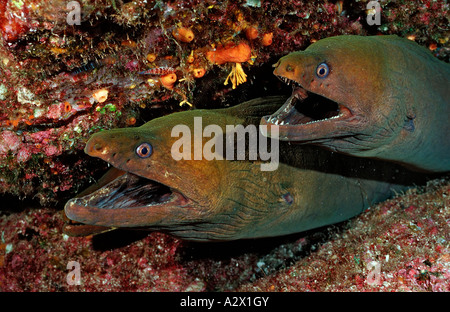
point(121, 202)
point(305, 110)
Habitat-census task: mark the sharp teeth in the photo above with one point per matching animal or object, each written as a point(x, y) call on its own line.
point(276, 122)
point(282, 123)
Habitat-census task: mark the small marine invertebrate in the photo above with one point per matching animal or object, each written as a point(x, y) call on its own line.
point(151, 57)
point(191, 58)
point(131, 121)
point(183, 34)
point(236, 76)
point(251, 32)
point(232, 54)
point(67, 107)
point(100, 95)
point(267, 39)
point(432, 46)
point(168, 80)
point(198, 72)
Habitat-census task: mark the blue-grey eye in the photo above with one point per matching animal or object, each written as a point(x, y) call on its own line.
point(144, 150)
point(322, 70)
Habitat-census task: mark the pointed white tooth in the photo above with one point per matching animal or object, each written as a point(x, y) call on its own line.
point(282, 123)
point(276, 122)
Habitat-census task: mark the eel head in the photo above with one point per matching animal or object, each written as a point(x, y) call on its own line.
point(154, 191)
point(337, 87)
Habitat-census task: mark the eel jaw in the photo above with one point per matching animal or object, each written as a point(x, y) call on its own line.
point(127, 201)
point(307, 116)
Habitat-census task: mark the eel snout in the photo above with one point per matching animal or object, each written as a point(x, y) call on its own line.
point(95, 147)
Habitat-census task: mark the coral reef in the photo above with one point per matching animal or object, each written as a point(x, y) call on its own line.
point(407, 237)
point(53, 66)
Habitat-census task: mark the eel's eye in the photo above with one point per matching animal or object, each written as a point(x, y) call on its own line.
point(144, 150)
point(322, 70)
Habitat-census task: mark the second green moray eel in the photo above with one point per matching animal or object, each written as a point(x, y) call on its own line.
point(383, 97)
point(217, 200)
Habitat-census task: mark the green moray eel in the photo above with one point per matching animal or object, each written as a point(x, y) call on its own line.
point(221, 199)
point(383, 97)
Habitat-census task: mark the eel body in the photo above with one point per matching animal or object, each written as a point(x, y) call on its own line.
point(379, 96)
point(223, 199)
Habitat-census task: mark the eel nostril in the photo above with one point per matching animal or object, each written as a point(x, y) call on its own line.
point(98, 147)
point(289, 68)
point(94, 148)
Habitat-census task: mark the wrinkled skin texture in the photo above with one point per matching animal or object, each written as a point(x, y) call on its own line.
point(227, 199)
point(390, 95)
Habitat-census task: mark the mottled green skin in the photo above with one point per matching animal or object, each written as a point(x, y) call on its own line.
point(234, 199)
point(395, 95)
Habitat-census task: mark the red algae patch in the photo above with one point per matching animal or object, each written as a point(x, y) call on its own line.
point(38, 258)
point(399, 245)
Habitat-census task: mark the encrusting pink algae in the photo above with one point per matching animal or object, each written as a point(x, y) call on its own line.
point(61, 83)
